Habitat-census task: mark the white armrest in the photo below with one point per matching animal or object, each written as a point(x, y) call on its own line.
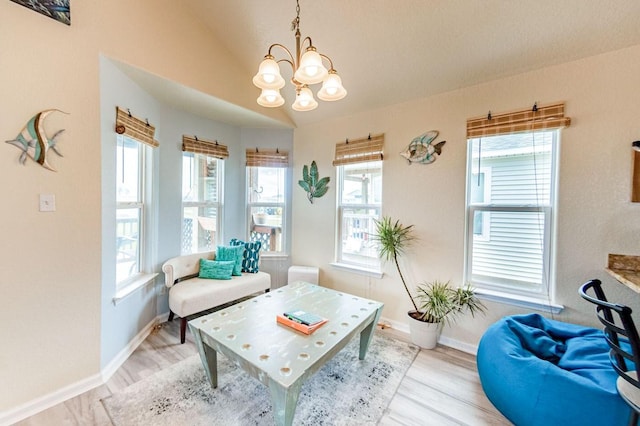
point(184, 266)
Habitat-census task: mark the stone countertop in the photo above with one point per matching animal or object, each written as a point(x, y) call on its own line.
point(625, 269)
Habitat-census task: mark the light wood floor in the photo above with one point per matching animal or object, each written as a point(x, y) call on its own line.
point(440, 388)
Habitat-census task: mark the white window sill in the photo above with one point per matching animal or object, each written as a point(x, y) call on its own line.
point(357, 269)
point(275, 256)
point(132, 286)
point(520, 301)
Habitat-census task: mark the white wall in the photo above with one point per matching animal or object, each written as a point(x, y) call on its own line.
point(595, 214)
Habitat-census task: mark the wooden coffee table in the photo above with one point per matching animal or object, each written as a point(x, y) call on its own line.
point(278, 356)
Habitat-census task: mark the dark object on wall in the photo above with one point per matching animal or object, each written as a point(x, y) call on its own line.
point(635, 184)
point(311, 183)
point(56, 9)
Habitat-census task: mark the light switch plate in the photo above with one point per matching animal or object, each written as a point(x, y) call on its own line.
point(47, 203)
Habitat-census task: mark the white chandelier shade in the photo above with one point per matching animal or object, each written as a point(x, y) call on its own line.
point(307, 68)
point(332, 89)
point(304, 100)
point(311, 70)
point(270, 98)
point(268, 76)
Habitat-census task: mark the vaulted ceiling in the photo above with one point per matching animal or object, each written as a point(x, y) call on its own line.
point(390, 51)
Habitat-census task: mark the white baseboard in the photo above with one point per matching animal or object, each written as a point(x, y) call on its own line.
point(400, 326)
point(47, 401)
point(110, 369)
point(456, 344)
point(443, 340)
point(37, 405)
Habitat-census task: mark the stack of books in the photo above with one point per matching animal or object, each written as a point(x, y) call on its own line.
point(302, 321)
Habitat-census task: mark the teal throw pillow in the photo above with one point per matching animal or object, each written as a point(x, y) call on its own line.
point(234, 253)
point(251, 255)
point(216, 269)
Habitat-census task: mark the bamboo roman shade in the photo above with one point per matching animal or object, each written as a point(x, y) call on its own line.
point(359, 150)
point(267, 158)
point(135, 128)
point(537, 118)
point(199, 146)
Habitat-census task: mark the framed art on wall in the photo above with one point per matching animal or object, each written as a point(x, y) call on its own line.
point(56, 9)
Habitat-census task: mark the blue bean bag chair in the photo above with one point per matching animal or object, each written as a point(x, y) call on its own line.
point(538, 371)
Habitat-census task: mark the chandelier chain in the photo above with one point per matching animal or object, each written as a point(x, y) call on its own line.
point(295, 24)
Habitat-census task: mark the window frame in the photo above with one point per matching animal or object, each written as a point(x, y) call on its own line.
point(283, 206)
point(218, 205)
point(485, 234)
point(373, 265)
point(544, 293)
point(140, 204)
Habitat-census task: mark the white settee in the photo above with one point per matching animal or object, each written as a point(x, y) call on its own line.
point(190, 295)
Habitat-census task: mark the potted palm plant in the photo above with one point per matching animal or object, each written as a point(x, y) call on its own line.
point(440, 303)
point(436, 303)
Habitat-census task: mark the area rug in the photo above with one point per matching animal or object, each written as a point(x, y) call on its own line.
point(346, 391)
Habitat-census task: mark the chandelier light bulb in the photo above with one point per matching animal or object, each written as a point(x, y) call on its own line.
point(268, 76)
point(311, 70)
point(332, 89)
point(270, 98)
point(304, 100)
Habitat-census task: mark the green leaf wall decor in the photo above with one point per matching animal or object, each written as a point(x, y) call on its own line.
point(311, 182)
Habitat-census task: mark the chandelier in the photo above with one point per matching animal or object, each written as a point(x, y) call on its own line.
point(307, 69)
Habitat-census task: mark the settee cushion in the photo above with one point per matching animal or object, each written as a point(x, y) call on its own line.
point(216, 269)
point(189, 294)
point(251, 255)
point(538, 371)
point(234, 253)
point(197, 294)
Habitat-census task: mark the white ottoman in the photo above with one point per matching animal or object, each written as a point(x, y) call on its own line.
point(307, 274)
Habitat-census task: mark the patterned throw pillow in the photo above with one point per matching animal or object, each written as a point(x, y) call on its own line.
point(251, 255)
point(234, 253)
point(216, 269)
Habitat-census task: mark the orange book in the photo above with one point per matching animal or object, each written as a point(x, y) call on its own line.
point(306, 329)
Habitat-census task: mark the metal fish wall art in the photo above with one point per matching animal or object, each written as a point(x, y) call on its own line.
point(34, 142)
point(421, 150)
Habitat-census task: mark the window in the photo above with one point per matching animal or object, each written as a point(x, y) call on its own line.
point(134, 222)
point(266, 198)
point(359, 205)
point(130, 208)
point(202, 193)
point(510, 204)
point(202, 183)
